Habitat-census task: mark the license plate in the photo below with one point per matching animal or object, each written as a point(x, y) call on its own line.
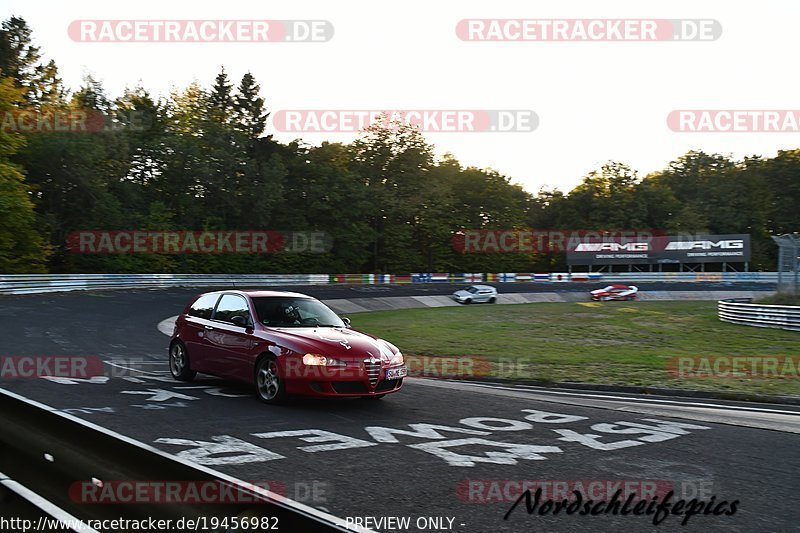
point(397, 373)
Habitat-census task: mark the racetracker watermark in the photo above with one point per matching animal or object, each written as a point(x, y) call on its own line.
point(194, 492)
point(198, 242)
point(71, 121)
point(735, 367)
point(588, 30)
point(478, 241)
point(56, 366)
point(426, 366)
point(200, 31)
point(509, 490)
point(734, 121)
point(448, 367)
point(490, 491)
point(426, 120)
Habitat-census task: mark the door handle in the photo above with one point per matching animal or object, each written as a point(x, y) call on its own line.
point(208, 328)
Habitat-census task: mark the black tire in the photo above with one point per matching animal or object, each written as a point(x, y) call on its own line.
point(492, 300)
point(179, 365)
point(468, 301)
point(270, 386)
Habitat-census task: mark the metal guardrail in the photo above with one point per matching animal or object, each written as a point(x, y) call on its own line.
point(741, 311)
point(32, 512)
point(47, 452)
point(40, 283)
point(44, 283)
point(758, 277)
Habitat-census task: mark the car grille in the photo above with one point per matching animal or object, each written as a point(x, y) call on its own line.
point(373, 370)
point(388, 384)
point(349, 387)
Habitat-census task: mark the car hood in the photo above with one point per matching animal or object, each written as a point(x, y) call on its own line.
point(340, 343)
point(599, 291)
point(462, 293)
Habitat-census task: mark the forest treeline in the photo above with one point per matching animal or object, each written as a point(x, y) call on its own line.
point(199, 159)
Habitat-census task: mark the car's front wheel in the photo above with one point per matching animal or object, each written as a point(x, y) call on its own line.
point(467, 301)
point(179, 362)
point(492, 300)
point(270, 386)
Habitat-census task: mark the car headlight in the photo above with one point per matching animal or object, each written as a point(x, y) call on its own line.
point(312, 359)
point(397, 359)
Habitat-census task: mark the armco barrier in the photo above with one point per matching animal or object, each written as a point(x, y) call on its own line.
point(17, 501)
point(741, 311)
point(39, 283)
point(49, 452)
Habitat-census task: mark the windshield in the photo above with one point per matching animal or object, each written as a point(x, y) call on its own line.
point(288, 311)
point(472, 290)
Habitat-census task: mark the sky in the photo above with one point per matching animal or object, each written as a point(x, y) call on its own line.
point(595, 101)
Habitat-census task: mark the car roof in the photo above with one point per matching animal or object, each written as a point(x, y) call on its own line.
point(482, 286)
point(254, 293)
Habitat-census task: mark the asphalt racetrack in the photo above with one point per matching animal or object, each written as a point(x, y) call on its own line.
point(447, 456)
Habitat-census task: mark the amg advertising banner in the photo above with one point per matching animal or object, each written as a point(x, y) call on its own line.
point(655, 250)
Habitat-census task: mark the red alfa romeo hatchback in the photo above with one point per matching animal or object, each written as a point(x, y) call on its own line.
point(285, 344)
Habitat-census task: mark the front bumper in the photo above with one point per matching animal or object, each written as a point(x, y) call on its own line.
point(355, 379)
point(343, 388)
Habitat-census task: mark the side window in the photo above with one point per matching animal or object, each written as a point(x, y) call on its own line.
point(204, 306)
point(230, 306)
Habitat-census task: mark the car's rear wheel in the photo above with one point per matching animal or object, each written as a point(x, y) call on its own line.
point(270, 386)
point(179, 362)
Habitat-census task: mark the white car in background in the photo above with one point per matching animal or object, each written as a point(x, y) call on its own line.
point(475, 294)
point(615, 292)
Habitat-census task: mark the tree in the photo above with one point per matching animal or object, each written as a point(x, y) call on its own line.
point(394, 162)
point(22, 248)
point(220, 100)
point(200, 159)
point(250, 113)
point(19, 60)
point(91, 95)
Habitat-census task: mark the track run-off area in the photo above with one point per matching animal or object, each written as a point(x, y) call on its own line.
point(437, 456)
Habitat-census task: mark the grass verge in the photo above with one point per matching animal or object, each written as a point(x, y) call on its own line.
point(781, 298)
point(616, 343)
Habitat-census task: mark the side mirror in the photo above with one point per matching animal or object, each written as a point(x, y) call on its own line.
point(240, 321)
point(346, 321)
